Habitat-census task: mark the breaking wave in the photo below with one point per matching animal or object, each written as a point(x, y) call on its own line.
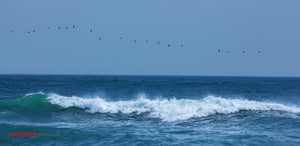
point(169, 109)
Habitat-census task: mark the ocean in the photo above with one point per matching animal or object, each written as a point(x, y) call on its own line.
point(149, 110)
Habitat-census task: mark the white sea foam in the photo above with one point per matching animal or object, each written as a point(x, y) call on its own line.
point(29, 94)
point(169, 109)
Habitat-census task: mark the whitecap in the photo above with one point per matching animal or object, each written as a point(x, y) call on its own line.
point(169, 109)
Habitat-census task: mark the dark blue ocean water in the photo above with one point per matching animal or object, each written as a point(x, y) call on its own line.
point(150, 110)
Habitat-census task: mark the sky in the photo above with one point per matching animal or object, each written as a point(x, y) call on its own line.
point(202, 26)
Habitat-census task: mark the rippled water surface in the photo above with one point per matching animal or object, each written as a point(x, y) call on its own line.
point(148, 110)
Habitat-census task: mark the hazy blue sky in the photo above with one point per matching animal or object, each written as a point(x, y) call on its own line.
point(203, 27)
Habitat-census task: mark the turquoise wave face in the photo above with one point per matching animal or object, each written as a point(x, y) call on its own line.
point(31, 102)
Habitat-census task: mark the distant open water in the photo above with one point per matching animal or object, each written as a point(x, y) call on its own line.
point(150, 110)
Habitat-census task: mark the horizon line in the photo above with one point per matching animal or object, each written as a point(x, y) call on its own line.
point(182, 75)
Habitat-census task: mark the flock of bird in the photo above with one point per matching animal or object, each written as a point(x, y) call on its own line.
point(91, 30)
point(135, 41)
point(228, 51)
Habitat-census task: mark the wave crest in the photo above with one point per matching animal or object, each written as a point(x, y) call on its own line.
point(168, 109)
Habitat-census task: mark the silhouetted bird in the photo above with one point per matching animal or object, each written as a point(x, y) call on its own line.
point(33, 31)
point(121, 38)
point(134, 41)
point(67, 28)
point(91, 30)
point(169, 45)
point(258, 51)
point(243, 51)
point(73, 26)
point(99, 38)
point(219, 50)
point(59, 28)
point(158, 42)
point(28, 32)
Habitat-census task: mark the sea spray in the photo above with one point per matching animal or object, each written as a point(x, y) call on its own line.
point(169, 109)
